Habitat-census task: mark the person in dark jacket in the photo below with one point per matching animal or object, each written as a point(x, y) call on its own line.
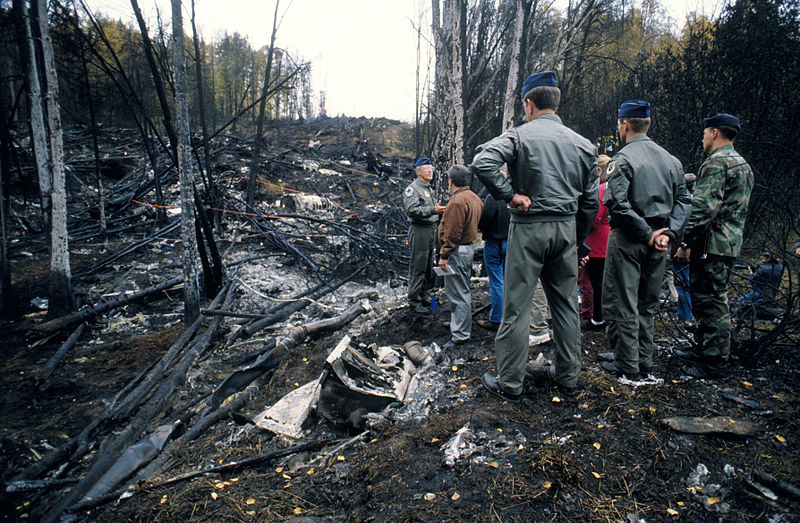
point(494, 228)
point(765, 281)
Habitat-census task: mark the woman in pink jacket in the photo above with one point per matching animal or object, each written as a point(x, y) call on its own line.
point(590, 277)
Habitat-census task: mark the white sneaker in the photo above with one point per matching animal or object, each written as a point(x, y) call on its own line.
point(538, 340)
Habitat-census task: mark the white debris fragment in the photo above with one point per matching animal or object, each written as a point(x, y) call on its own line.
point(459, 446)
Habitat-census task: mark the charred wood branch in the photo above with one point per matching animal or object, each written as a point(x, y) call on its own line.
point(126, 406)
point(37, 484)
point(51, 365)
point(288, 310)
point(138, 245)
point(155, 404)
point(231, 314)
point(249, 462)
point(92, 311)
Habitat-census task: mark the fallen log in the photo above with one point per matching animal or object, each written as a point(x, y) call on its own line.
point(29, 485)
point(51, 365)
point(93, 310)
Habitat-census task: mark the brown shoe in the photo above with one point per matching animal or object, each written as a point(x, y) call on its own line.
point(488, 325)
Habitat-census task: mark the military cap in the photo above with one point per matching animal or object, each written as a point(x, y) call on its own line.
point(547, 78)
point(423, 160)
point(719, 119)
point(634, 109)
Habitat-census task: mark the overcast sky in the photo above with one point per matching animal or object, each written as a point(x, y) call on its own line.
point(362, 52)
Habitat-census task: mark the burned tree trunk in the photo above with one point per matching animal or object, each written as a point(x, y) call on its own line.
point(190, 276)
point(510, 99)
point(251, 185)
point(7, 115)
point(34, 93)
point(61, 298)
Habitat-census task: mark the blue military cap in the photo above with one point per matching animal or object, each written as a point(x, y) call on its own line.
point(634, 109)
point(547, 78)
point(722, 119)
point(423, 160)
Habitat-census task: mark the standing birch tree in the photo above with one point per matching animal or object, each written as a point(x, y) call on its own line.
point(62, 299)
point(191, 292)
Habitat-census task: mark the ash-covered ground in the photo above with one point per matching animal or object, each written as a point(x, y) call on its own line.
point(449, 452)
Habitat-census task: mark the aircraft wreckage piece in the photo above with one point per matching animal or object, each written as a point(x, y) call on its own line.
point(352, 384)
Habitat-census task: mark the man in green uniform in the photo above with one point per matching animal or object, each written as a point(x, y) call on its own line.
point(713, 240)
point(552, 192)
point(420, 206)
point(648, 206)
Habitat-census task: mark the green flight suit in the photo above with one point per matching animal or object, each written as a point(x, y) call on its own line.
point(646, 191)
point(714, 233)
point(557, 169)
point(419, 204)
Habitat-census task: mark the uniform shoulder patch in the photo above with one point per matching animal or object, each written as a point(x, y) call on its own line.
point(612, 166)
point(408, 192)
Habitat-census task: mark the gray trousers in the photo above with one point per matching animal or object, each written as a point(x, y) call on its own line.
point(421, 241)
point(631, 283)
point(539, 312)
point(458, 294)
point(541, 250)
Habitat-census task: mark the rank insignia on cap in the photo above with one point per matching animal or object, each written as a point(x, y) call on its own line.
point(611, 167)
point(409, 191)
point(427, 194)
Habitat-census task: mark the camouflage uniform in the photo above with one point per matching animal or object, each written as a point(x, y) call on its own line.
point(714, 234)
point(419, 204)
point(646, 191)
point(557, 169)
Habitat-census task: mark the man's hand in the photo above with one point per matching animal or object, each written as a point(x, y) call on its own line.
point(797, 252)
point(520, 202)
point(443, 264)
point(439, 208)
point(683, 254)
point(659, 241)
point(582, 262)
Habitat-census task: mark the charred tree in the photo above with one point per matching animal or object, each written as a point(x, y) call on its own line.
point(62, 299)
point(27, 52)
point(185, 173)
point(251, 185)
point(510, 99)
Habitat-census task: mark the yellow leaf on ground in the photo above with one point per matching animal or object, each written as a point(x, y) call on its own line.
point(556, 399)
point(596, 445)
point(430, 496)
point(279, 470)
point(310, 472)
point(672, 512)
point(780, 438)
point(485, 358)
point(298, 510)
point(250, 501)
point(747, 383)
point(220, 485)
point(214, 495)
point(600, 426)
point(681, 503)
point(494, 464)
point(454, 368)
point(163, 500)
point(456, 496)
point(462, 387)
point(339, 458)
point(652, 409)
point(435, 440)
point(547, 484)
point(596, 475)
point(713, 501)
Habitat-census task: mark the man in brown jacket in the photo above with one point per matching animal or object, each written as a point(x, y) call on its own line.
point(458, 230)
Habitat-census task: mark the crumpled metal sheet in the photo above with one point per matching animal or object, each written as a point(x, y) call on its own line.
point(715, 425)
